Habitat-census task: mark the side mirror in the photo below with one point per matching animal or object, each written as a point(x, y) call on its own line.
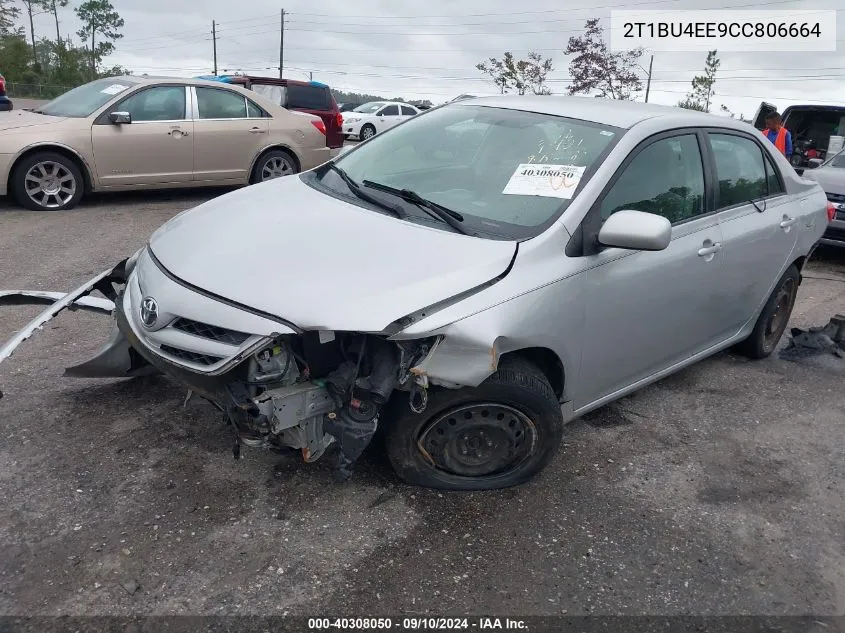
point(636, 230)
point(120, 118)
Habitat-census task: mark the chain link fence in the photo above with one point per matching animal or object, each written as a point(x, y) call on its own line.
point(34, 91)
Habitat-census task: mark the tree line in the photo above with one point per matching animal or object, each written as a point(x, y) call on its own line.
point(594, 70)
point(54, 64)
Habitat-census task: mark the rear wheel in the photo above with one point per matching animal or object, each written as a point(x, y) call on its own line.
point(47, 181)
point(497, 435)
point(274, 164)
point(367, 132)
point(774, 318)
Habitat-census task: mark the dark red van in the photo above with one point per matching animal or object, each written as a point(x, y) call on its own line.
point(312, 97)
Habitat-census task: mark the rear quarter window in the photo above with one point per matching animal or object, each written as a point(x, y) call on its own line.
point(308, 97)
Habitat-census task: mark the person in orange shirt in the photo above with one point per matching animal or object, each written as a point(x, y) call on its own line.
point(778, 134)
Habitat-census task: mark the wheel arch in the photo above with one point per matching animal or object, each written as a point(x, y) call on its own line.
point(275, 146)
point(799, 264)
point(58, 148)
point(547, 361)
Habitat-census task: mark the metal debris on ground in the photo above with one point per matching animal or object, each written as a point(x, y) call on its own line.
point(817, 341)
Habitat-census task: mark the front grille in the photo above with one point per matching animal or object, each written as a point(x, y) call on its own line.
point(191, 357)
point(203, 330)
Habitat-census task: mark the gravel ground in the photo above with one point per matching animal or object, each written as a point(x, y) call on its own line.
point(716, 491)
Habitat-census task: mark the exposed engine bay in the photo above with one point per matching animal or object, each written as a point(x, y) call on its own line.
point(309, 391)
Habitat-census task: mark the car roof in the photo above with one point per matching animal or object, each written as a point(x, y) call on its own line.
point(150, 79)
point(613, 112)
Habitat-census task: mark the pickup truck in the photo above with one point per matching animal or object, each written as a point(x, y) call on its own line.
point(811, 127)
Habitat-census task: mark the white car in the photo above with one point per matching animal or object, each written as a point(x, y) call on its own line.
point(369, 119)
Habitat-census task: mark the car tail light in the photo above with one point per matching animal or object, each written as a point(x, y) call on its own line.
point(319, 125)
point(831, 212)
point(339, 120)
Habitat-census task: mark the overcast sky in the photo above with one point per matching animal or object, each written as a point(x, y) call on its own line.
point(430, 49)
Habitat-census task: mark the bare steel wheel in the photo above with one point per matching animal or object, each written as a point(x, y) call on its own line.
point(774, 317)
point(496, 435)
point(776, 323)
point(274, 164)
point(47, 182)
point(477, 440)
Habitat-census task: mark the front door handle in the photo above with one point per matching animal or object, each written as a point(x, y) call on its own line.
point(787, 222)
point(256, 130)
point(709, 250)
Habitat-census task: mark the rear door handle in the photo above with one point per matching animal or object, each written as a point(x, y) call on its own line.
point(256, 130)
point(787, 222)
point(709, 250)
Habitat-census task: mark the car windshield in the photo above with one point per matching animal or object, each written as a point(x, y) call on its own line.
point(84, 100)
point(368, 108)
point(509, 173)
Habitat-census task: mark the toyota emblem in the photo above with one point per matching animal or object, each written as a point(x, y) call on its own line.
point(149, 312)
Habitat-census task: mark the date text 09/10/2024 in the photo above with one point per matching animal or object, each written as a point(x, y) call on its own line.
point(416, 624)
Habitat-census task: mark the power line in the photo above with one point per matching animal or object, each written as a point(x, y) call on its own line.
point(314, 63)
point(307, 67)
point(193, 33)
point(539, 12)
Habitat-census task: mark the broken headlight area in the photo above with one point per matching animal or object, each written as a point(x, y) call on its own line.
point(307, 392)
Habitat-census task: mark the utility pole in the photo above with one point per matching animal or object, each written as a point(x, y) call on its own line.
point(282, 46)
point(214, 39)
point(648, 83)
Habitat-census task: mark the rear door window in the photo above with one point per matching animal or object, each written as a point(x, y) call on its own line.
point(773, 180)
point(408, 111)
point(740, 169)
point(308, 97)
point(220, 104)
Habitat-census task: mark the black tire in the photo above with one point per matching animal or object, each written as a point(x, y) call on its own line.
point(275, 161)
point(67, 175)
point(368, 131)
point(490, 419)
point(773, 319)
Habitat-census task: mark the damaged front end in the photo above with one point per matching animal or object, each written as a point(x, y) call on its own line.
point(279, 387)
point(309, 391)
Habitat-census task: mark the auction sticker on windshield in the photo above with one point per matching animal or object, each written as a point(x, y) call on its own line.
point(550, 181)
point(113, 89)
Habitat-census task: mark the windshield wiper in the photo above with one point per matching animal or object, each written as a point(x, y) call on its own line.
point(445, 214)
point(355, 188)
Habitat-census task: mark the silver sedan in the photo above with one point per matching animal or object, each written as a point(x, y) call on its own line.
point(467, 282)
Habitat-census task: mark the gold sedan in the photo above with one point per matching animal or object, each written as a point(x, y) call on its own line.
point(123, 133)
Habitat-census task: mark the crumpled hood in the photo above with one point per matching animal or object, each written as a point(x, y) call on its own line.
point(18, 119)
point(286, 249)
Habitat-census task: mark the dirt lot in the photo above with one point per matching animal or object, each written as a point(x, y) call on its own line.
point(717, 491)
